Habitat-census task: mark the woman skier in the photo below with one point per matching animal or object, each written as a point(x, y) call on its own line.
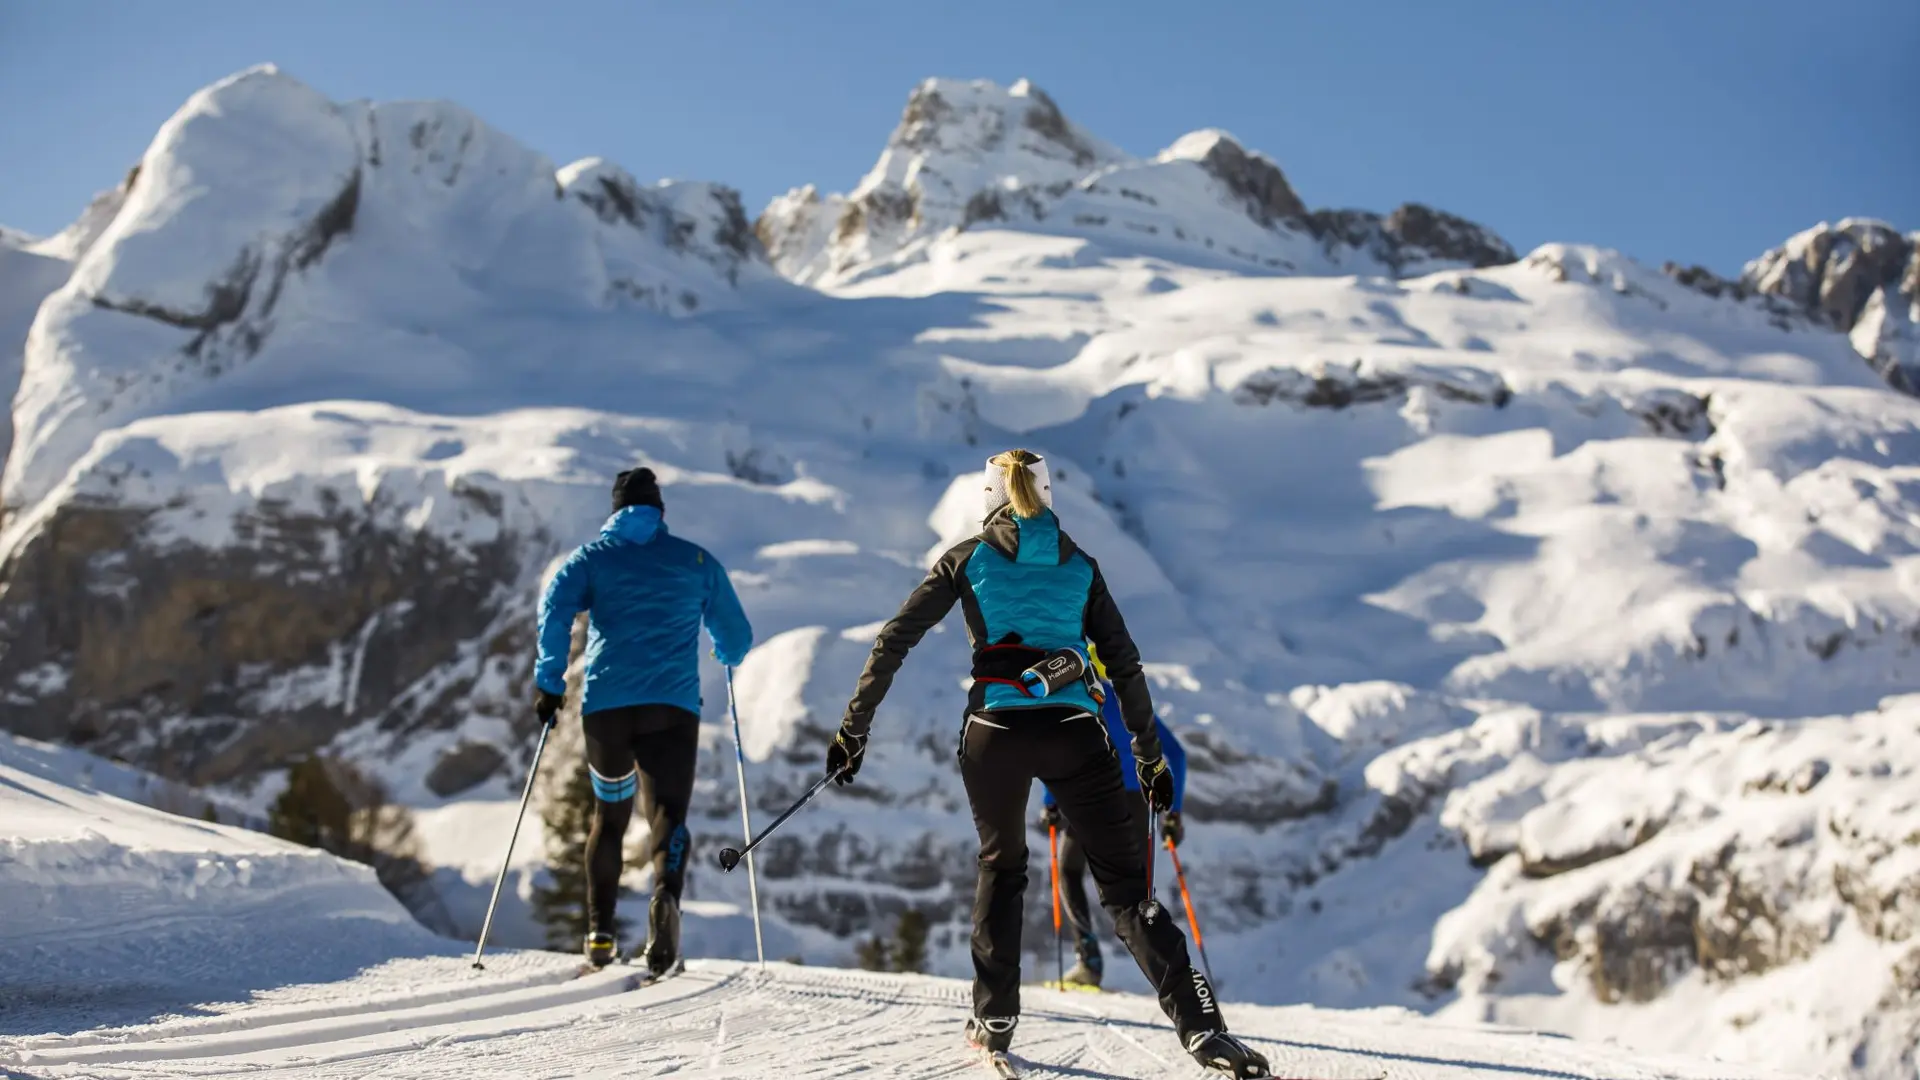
point(1030, 596)
point(645, 594)
point(1089, 967)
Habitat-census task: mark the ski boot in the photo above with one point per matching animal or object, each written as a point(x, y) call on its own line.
point(994, 1034)
point(663, 935)
point(601, 949)
point(1090, 968)
point(1226, 1055)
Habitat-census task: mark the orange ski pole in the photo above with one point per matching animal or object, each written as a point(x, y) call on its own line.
point(1053, 858)
point(1187, 899)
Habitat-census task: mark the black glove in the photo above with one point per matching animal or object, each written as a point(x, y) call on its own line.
point(1156, 780)
point(1172, 828)
point(845, 754)
point(1050, 817)
point(547, 706)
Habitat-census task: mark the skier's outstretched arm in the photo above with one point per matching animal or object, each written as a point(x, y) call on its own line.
point(726, 620)
point(567, 595)
point(928, 604)
point(1108, 632)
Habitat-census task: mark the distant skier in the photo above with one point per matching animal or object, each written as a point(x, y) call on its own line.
point(645, 594)
point(1090, 967)
point(1031, 598)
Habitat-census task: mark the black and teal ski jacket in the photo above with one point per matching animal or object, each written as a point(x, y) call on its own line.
point(1025, 589)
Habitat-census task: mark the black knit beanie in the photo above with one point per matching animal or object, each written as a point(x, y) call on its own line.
point(636, 487)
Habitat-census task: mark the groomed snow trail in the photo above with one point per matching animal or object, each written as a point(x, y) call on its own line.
point(728, 1019)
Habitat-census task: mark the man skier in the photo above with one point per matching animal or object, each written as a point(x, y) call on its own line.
point(1090, 967)
point(645, 594)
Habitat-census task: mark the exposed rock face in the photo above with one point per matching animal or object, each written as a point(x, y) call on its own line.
point(1412, 237)
point(1335, 387)
point(1860, 277)
point(237, 311)
point(462, 767)
point(1447, 237)
point(1830, 271)
point(213, 666)
point(705, 221)
point(1252, 178)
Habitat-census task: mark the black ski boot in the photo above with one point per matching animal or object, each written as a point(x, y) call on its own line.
point(1226, 1055)
point(601, 949)
point(663, 935)
point(993, 1034)
point(1091, 968)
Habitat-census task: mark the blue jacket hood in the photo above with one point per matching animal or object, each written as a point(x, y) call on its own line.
point(646, 595)
point(634, 524)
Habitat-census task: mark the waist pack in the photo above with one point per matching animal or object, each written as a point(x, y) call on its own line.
point(1034, 672)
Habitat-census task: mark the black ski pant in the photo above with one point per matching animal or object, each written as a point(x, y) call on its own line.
point(648, 752)
point(1073, 884)
point(1001, 754)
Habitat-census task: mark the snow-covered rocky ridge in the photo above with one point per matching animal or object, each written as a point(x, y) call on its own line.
point(974, 154)
point(1430, 550)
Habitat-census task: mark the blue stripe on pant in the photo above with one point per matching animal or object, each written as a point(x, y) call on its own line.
point(614, 790)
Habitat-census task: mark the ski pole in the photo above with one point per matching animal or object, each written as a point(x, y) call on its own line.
point(1053, 856)
point(730, 857)
point(1153, 839)
point(1187, 899)
point(746, 825)
point(525, 797)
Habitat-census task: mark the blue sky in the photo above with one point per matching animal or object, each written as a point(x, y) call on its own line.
point(1695, 130)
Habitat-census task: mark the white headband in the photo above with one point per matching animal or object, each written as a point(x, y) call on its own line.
point(996, 476)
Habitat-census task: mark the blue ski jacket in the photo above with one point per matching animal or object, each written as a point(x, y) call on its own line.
point(645, 594)
point(1025, 589)
point(1176, 754)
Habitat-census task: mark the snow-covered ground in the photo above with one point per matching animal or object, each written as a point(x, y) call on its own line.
point(118, 912)
point(729, 1019)
point(142, 944)
point(1540, 629)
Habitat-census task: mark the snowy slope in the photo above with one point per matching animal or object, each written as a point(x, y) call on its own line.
point(27, 277)
point(1479, 588)
point(117, 911)
point(142, 944)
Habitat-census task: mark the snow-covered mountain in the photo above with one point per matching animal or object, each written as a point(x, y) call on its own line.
point(1541, 629)
point(973, 154)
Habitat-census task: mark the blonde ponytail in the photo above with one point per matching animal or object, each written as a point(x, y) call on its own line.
point(1023, 490)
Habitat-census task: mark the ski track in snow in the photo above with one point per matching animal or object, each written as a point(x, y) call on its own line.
point(732, 1019)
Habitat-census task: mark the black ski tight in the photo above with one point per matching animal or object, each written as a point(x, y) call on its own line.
point(1073, 872)
point(646, 752)
point(1001, 754)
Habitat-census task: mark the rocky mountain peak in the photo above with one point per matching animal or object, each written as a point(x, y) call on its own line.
point(701, 220)
point(1250, 176)
point(971, 154)
point(1831, 271)
point(979, 121)
point(1860, 277)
